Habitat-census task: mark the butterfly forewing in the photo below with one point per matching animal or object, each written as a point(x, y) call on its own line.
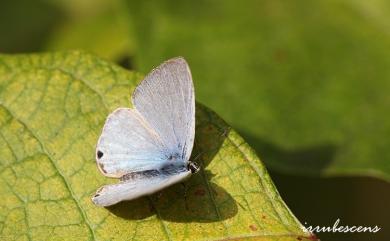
point(165, 98)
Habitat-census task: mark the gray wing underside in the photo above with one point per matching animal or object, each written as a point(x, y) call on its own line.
point(165, 98)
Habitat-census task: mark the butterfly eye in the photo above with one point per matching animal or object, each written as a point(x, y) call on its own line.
point(193, 167)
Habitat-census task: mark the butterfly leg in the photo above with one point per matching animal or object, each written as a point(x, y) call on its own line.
point(225, 132)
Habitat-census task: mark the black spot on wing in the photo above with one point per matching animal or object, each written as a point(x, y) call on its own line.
point(173, 157)
point(99, 154)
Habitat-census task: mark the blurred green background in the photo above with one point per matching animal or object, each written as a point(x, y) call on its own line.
point(307, 83)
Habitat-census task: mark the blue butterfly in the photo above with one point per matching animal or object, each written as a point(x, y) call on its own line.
point(148, 147)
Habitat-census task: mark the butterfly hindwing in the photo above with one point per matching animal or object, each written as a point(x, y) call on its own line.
point(138, 184)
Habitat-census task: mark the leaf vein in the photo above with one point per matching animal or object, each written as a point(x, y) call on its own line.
point(83, 215)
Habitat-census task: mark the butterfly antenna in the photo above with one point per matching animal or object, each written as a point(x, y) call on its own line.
point(223, 134)
point(199, 154)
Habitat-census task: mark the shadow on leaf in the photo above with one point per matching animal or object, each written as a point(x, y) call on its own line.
point(307, 161)
point(199, 200)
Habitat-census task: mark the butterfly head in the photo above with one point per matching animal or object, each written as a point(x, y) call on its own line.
point(193, 167)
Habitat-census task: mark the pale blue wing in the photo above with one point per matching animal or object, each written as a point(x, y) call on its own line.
point(165, 98)
point(128, 144)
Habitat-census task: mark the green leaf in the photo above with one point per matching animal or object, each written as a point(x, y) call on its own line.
point(307, 81)
point(52, 108)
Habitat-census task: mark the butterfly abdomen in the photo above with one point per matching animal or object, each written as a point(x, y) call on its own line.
point(165, 170)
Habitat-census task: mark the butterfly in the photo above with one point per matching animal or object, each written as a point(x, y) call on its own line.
point(148, 147)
